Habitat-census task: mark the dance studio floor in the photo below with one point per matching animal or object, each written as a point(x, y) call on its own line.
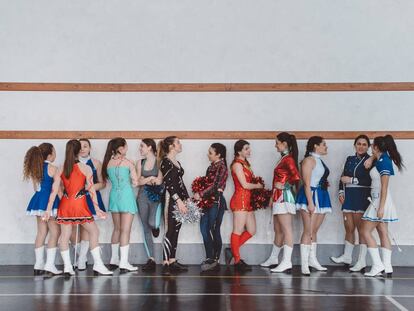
point(256, 290)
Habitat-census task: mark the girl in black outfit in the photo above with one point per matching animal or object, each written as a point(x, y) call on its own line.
point(176, 195)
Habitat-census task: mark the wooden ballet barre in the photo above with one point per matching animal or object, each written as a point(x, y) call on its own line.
point(200, 135)
point(207, 87)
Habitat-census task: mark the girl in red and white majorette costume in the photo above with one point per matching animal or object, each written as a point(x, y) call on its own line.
point(285, 177)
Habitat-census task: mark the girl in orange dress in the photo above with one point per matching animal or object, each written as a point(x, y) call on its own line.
point(77, 179)
point(244, 222)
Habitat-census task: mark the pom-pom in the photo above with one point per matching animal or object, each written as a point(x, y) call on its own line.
point(260, 197)
point(199, 185)
point(193, 214)
point(154, 192)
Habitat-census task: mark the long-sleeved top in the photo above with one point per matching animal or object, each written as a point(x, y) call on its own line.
point(354, 168)
point(218, 173)
point(285, 172)
point(173, 179)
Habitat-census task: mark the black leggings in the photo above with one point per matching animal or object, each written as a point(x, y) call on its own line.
point(171, 236)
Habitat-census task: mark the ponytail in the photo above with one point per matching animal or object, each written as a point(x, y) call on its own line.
point(387, 144)
point(111, 150)
point(33, 162)
point(73, 148)
point(292, 144)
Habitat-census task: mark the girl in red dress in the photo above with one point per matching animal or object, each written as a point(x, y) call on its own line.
point(73, 208)
point(244, 221)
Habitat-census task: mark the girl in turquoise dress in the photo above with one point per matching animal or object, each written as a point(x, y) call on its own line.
point(121, 173)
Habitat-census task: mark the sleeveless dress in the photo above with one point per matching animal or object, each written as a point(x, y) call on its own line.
point(240, 201)
point(98, 193)
point(38, 203)
point(73, 208)
point(319, 189)
point(121, 197)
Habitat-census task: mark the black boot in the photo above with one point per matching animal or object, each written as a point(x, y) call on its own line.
point(166, 270)
point(241, 266)
point(149, 266)
point(177, 267)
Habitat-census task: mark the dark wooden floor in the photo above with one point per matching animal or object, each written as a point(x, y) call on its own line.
point(257, 290)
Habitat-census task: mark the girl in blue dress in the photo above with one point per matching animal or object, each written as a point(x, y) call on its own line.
point(96, 166)
point(122, 204)
point(354, 190)
point(381, 210)
point(313, 201)
point(39, 169)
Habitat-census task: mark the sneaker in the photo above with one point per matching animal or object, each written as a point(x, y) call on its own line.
point(208, 264)
point(242, 266)
point(166, 270)
point(228, 255)
point(155, 232)
point(149, 266)
point(177, 267)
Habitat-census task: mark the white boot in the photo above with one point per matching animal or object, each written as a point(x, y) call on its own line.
point(346, 258)
point(98, 265)
point(386, 259)
point(50, 262)
point(377, 265)
point(124, 265)
point(362, 262)
point(39, 265)
point(273, 260)
point(313, 261)
point(68, 268)
point(304, 258)
point(286, 263)
point(83, 255)
point(114, 262)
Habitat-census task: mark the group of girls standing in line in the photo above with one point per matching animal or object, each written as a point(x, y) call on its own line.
point(70, 196)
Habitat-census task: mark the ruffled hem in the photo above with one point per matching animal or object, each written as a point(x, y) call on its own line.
point(74, 221)
point(284, 208)
point(379, 219)
point(318, 210)
point(352, 211)
point(41, 213)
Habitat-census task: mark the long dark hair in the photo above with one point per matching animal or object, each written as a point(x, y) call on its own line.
point(292, 144)
point(362, 136)
point(238, 146)
point(221, 150)
point(73, 148)
point(387, 144)
point(111, 150)
point(150, 143)
point(33, 162)
point(164, 147)
point(87, 141)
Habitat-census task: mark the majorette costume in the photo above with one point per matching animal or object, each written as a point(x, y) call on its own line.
point(240, 201)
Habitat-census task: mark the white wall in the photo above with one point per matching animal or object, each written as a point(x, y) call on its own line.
point(205, 41)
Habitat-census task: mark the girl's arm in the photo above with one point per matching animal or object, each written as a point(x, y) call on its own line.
point(238, 169)
point(100, 184)
point(53, 193)
point(308, 165)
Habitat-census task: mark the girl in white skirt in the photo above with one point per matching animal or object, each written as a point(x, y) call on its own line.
point(381, 211)
point(285, 177)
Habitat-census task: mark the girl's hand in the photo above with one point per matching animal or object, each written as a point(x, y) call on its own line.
point(46, 216)
point(279, 186)
point(380, 213)
point(197, 196)
point(311, 208)
point(182, 207)
point(259, 186)
point(101, 214)
point(368, 163)
point(341, 199)
point(346, 179)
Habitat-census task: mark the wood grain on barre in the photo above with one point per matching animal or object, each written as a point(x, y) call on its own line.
point(204, 135)
point(207, 87)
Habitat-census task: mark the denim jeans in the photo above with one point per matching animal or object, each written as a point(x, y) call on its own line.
point(210, 224)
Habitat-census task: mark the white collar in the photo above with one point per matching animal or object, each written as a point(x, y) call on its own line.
point(313, 154)
point(46, 161)
point(84, 160)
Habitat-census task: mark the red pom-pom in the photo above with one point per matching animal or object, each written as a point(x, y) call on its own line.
point(199, 185)
point(260, 197)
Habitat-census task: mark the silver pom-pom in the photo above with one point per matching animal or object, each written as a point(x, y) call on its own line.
point(193, 214)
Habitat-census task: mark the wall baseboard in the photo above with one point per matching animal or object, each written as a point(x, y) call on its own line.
point(193, 253)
